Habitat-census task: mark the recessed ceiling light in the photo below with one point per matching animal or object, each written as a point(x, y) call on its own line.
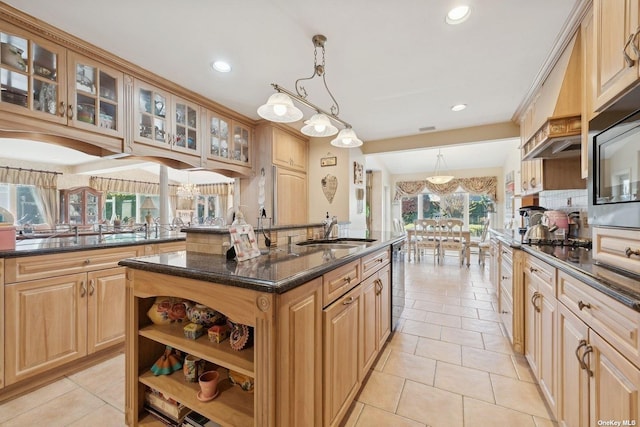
point(458, 15)
point(459, 107)
point(221, 66)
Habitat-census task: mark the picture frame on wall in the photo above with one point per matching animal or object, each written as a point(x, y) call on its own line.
point(328, 161)
point(358, 171)
point(244, 241)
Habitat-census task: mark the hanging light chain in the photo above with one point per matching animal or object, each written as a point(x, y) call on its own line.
point(318, 70)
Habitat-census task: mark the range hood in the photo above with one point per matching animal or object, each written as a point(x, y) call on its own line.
point(556, 112)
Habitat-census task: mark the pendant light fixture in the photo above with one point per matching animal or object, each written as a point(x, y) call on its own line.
point(280, 107)
point(439, 174)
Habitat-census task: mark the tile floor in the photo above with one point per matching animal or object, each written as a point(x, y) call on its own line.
point(447, 365)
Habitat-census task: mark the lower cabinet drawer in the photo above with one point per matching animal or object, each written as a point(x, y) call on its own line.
point(336, 282)
point(373, 262)
point(615, 322)
point(617, 247)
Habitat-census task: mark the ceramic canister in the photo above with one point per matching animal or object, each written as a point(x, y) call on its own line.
point(193, 367)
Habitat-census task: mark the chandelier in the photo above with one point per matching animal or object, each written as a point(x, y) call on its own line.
point(280, 108)
point(188, 190)
point(439, 174)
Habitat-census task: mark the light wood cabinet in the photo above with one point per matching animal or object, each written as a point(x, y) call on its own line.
point(46, 323)
point(615, 62)
point(105, 312)
point(166, 121)
point(617, 247)
point(81, 206)
point(540, 326)
point(291, 199)
point(376, 307)
point(48, 82)
point(551, 174)
point(289, 151)
point(229, 141)
point(343, 323)
point(588, 84)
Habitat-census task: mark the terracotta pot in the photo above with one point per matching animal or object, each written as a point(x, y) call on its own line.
point(208, 385)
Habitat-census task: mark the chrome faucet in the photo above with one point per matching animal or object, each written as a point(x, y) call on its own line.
point(329, 226)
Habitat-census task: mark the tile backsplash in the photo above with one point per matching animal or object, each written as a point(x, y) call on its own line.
point(568, 201)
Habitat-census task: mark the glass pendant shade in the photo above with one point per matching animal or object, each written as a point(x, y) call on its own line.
point(279, 108)
point(439, 175)
point(346, 139)
point(319, 125)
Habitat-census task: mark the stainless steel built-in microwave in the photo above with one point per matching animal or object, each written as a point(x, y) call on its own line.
point(615, 178)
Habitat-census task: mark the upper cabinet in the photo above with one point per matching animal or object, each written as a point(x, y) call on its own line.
point(616, 55)
point(289, 151)
point(46, 81)
point(229, 141)
point(165, 121)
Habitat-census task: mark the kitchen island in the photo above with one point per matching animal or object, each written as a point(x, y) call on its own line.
point(319, 313)
point(63, 303)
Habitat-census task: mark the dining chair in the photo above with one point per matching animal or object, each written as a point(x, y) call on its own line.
point(426, 233)
point(482, 244)
point(451, 238)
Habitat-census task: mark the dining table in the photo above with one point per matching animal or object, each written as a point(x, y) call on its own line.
point(411, 238)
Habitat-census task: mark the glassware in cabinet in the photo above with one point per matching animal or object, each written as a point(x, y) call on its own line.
point(218, 136)
point(185, 130)
point(241, 141)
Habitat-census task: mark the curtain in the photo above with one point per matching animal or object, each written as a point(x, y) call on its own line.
point(128, 186)
point(46, 187)
point(477, 185)
point(49, 197)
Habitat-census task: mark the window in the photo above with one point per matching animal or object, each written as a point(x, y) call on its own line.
point(127, 206)
point(472, 208)
point(23, 202)
point(207, 208)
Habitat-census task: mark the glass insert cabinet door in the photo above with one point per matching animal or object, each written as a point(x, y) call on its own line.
point(218, 136)
point(185, 134)
point(96, 94)
point(152, 108)
point(31, 76)
point(240, 143)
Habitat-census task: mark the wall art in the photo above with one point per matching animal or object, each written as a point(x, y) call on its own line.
point(329, 161)
point(357, 173)
point(244, 242)
point(329, 186)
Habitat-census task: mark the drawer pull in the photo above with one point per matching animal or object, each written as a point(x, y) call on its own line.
point(347, 301)
point(533, 270)
point(534, 297)
point(504, 312)
point(582, 305)
point(588, 349)
point(347, 279)
point(505, 277)
point(629, 252)
point(87, 261)
point(583, 343)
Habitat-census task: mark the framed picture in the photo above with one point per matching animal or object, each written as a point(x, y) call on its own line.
point(357, 173)
point(328, 161)
point(244, 241)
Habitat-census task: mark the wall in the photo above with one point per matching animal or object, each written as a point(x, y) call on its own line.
point(344, 205)
point(382, 196)
point(568, 201)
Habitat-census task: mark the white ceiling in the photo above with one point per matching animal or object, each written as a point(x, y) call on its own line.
point(393, 67)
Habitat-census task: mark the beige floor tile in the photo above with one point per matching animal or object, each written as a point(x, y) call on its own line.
point(374, 417)
point(35, 399)
point(522, 368)
point(466, 381)
point(461, 311)
point(416, 368)
point(436, 307)
point(382, 359)
point(488, 315)
point(382, 391)
point(104, 416)
point(485, 305)
point(519, 395)
point(113, 394)
point(489, 361)
point(422, 329)
point(403, 342)
point(439, 350)
point(352, 416)
point(462, 337)
point(497, 343)
point(481, 414)
point(430, 405)
point(61, 411)
point(543, 422)
point(484, 326)
point(442, 319)
point(413, 314)
point(100, 376)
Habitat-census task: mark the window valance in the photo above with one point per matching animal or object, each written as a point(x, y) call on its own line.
point(128, 186)
point(477, 185)
point(41, 179)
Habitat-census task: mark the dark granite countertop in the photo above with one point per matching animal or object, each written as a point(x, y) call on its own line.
point(578, 262)
point(213, 229)
point(276, 271)
point(52, 245)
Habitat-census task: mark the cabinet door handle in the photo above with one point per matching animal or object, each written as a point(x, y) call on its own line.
point(379, 286)
point(588, 349)
point(70, 108)
point(91, 287)
point(347, 301)
point(505, 277)
point(525, 186)
point(534, 297)
point(627, 58)
point(533, 182)
point(83, 289)
point(62, 109)
point(582, 305)
point(633, 43)
point(628, 252)
point(583, 343)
